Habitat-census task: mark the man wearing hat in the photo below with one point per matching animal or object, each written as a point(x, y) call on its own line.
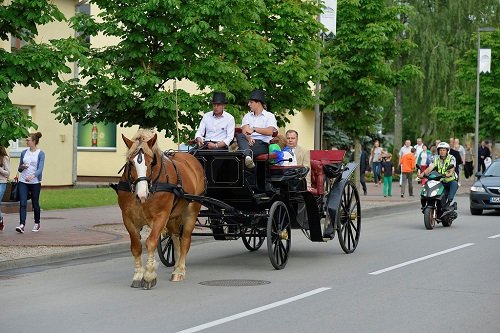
point(216, 130)
point(257, 128)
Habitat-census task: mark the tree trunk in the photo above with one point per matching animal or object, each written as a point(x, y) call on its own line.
point(398, 122)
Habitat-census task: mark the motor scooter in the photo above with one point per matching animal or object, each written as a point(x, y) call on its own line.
point(435, 204)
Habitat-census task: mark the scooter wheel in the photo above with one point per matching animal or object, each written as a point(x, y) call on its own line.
point(429, 218)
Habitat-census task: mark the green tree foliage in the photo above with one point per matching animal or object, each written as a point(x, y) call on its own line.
point(265, 44)
point(464, 114)
point(442, 29)
point(359, 61)
point(30, 65)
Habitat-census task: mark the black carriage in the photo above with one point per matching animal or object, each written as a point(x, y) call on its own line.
point(267, 202)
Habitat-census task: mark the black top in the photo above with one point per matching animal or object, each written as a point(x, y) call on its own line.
point(363, 161)
point(387, 167)
point(456, 154)
point(484, 152)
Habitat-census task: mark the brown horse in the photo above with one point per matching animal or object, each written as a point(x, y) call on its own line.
point(150, 192)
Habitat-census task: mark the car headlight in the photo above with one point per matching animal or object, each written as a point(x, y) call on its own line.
point(477, 189)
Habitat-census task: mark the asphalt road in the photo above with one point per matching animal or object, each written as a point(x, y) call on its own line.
point(402, 278)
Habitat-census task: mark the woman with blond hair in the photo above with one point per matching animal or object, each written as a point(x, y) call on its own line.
point(30, 177)
point(4, 176)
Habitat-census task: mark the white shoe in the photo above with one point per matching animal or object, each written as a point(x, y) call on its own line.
point(36, 227)
point(20, 228)
point(249, 162)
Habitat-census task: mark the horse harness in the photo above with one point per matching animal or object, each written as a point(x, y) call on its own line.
point(153, 185)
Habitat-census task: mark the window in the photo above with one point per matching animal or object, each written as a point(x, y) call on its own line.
point(16, 147)
point(16, 43)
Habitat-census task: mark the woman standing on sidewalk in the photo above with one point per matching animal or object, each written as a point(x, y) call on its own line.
point(30, 177)
point(376, 161)
point(4, 175)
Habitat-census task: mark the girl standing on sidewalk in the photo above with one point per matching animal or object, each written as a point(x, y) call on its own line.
point(4, 175)
point(30, 177)
point(387, 169)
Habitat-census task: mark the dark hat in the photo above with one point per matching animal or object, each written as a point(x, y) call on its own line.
point(219, 97)
point(258, 95)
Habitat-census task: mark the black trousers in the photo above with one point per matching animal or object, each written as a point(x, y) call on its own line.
point(259, 146)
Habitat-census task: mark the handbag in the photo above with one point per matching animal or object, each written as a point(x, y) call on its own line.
point(14, 190)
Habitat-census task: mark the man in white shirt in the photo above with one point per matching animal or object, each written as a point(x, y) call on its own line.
point(257, 128)
point(406, 149)
point(419, 147)
point(216, 130)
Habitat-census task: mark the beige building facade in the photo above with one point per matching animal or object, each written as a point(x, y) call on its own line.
point(65, 163)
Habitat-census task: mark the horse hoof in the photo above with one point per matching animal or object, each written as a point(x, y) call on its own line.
point(148, 285)
point(176, 277)
point(136, 284)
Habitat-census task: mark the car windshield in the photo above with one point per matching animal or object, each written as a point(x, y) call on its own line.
point(493, 170)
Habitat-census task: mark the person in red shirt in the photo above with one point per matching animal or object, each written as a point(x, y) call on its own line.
point(408, 162)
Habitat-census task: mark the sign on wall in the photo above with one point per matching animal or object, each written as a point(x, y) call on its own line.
point(97, 136)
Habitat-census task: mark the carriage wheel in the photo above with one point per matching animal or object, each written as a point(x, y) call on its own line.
point(348, 218)
point(165, 250)
point(253, 240)
point(279, 233)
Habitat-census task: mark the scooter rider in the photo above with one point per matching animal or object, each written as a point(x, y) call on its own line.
point(442, 162)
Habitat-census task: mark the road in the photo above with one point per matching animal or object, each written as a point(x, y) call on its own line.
point(402, 278)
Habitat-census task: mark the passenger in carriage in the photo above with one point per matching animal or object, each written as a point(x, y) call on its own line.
point(216, 130)
point(300, 155)
point(257, 128)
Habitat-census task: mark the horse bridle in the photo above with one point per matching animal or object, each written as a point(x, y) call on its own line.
point(133, 182)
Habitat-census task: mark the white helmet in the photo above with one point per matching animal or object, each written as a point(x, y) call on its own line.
point(443, 145)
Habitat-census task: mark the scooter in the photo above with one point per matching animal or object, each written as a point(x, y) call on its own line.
point(435, 204)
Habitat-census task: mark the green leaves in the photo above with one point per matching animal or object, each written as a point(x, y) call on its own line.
point(358, 61)
point(234, 48)
point(30, 65)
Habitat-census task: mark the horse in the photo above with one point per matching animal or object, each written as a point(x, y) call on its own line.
point(150, 192)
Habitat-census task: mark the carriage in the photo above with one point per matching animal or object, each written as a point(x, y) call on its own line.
point(264, 204)
point(175, 192)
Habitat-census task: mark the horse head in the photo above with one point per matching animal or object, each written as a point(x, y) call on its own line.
point(141, 158)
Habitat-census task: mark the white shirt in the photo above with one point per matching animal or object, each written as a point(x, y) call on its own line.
point(404, 150)
point(419, 149)
point(265, 119)
point(216, 129)
point(31, 159)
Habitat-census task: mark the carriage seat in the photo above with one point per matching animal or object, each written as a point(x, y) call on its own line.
point(320, 158)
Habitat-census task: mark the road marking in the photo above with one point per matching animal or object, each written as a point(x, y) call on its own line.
point(419, 259)
point(494, 236)
point(253, 311)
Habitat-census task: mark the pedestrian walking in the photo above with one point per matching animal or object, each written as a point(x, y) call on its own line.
point(387, 169)
point(375, 161)
point(408, 162)
point(4, 176)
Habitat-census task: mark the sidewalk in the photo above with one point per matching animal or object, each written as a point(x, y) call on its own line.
point(84, 232)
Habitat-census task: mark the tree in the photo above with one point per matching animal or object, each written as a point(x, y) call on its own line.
point(464, 113)
point(28, 66)
point(215, 46)
point(359, 61)
point(442, 30)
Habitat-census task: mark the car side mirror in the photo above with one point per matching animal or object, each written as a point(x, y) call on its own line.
point(479, 174)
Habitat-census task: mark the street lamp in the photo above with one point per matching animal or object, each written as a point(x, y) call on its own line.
point(476, 133)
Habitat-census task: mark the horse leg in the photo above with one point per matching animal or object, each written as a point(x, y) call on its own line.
point(174, 229)
point(190, 215)
point(136, 249)
point(149, 278)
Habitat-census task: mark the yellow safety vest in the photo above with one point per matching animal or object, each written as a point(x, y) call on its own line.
point(442, 165)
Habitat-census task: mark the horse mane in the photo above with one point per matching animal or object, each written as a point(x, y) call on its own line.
point(140, 140)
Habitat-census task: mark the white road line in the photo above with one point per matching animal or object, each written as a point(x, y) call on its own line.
point(253, 311)
point(419, 259)
point(494, 236)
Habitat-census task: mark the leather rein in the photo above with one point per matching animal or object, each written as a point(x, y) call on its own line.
point(153, 185)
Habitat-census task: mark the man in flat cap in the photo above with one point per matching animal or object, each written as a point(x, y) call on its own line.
point(216, 130)
point(257, 128)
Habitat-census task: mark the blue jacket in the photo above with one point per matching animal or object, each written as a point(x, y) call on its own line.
point(39, 166)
